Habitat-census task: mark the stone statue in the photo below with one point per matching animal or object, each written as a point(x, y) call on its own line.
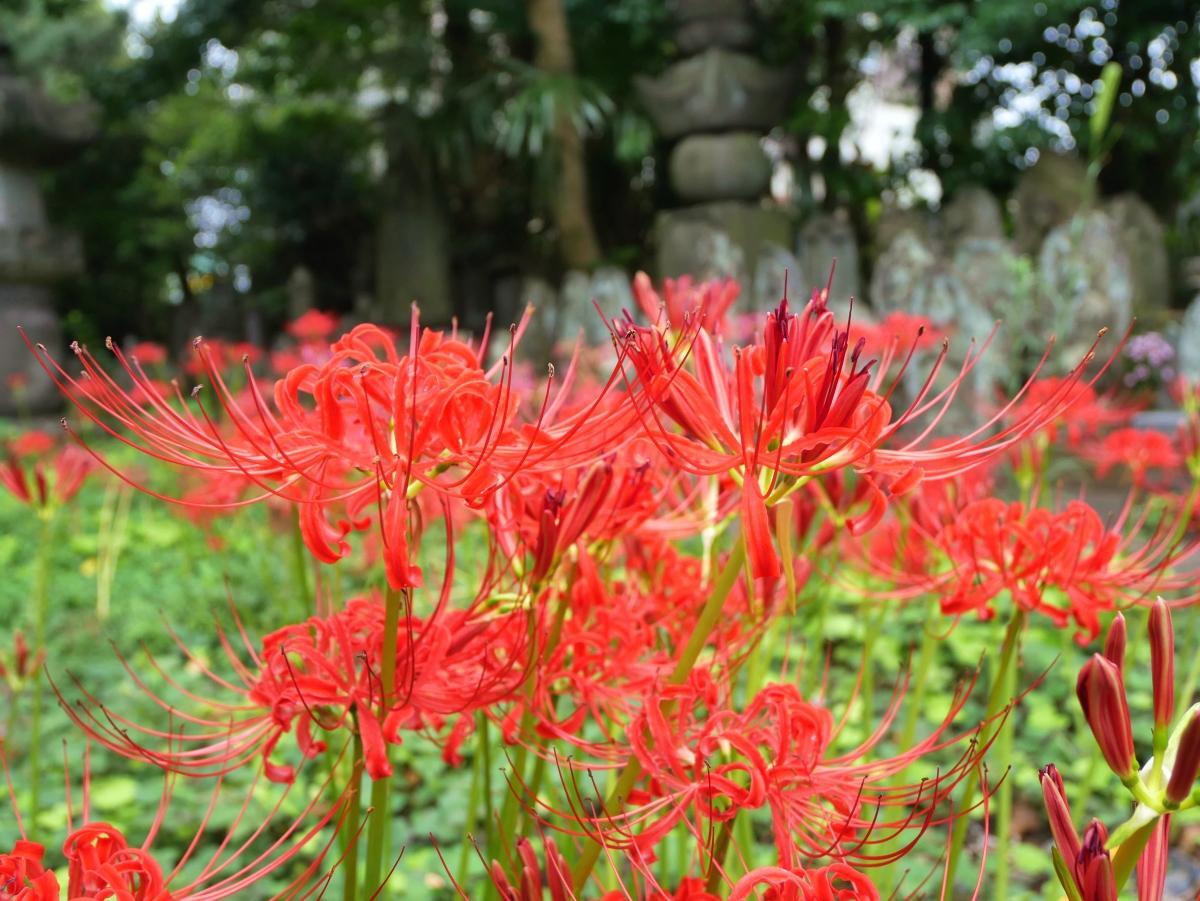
point(1143, 238)
point(1084, 281)
point(1048, 194)
point(715, 104)
point(35, 131)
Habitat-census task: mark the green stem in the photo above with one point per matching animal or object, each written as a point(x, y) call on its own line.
point(379, 819)
point(350, 863)
point(40, 613)
point(709, 616)
point(920, 682)
point(1125, 857)
point(996, 700)
point(1193, 675)
point(510, 812)
point(300, 567)
point(1003, 749)
point(867, 693)
point(464, 857)
point(916, 703)
point(716, 864)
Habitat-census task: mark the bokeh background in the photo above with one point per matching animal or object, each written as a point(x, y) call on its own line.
point(176, 167)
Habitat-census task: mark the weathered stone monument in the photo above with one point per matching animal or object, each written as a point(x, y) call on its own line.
point(1188, 352)
point(824, 238)
point(1143, 238)
point(1084, 281)
point(973, 212)
point(715, 104)
point(35, 132)
point(1048, 194)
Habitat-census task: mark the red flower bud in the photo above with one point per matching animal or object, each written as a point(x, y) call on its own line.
point(20, 654)
point(1114, 644)
point(1187, 763)
point(1054, 793)
point(1101, 695)
point(1152, 865)
point(1094, 867)
point(1162, 663)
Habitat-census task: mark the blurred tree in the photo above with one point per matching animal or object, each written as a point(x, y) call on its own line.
point(424, 148)
point(555, 59)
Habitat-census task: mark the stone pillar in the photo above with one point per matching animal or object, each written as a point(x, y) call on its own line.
point(715, 105)
point(34, 132)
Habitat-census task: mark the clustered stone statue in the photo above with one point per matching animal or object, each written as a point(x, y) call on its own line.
point(1075, 261)
point(35, 131)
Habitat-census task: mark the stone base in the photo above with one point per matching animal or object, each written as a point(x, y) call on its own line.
point(30, 307)
point(711, 240)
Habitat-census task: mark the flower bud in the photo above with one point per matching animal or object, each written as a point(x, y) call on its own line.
point(1054, 793)
point(1152, 864)
point(1187, 763)
point(1101, 695)
point(1094, 867)
point(1162, 663)
point(20, 654)
point(1114, 643)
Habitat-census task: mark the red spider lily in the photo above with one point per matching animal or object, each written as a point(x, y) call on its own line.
point(360, 433)
point(102, 863)
point(23, 876)
point(148, 353)
point(34, 443)
point(1094, 866)
point(683, 303)
point(531, 882)
point(23, 664)
point(897, 331)
point(1138, 450)
point(614, 646)
point(801, 403)
point(313, 326)
point(835, 882)
point(1152, 865)
point(324, 672)
point(34, 484)
point(627, 494)
point(1101, 692)
point(703, 762)
point(1086, 415)
point(1066, 565)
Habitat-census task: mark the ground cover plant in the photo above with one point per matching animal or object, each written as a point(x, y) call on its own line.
point(743, 611)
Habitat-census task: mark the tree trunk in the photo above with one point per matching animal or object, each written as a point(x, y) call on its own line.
point(570, 206)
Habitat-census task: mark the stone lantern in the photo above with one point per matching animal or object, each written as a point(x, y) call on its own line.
point(35, 132)
point(715, 105)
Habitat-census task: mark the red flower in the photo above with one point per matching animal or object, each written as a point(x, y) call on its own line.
point(1085, 415)
point(835, 882)
point(34, 484)
point(354, 438)
point(1101, 692)
point(34, 443)
point(897, 332)
point(704, 762)
point(684, 304)
point(22, 875)
point(1138, 450)
point(325, 673)
point(103, 864)
point(148, 353)
point(1067, 565)
point(799, 404)
point(313, 325)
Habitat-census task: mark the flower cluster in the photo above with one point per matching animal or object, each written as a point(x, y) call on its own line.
point(595, 582)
